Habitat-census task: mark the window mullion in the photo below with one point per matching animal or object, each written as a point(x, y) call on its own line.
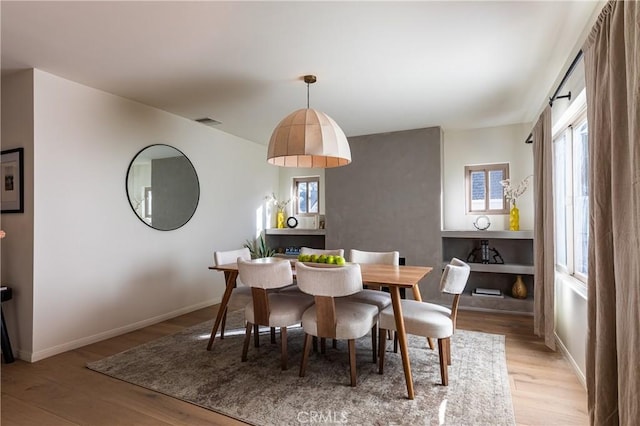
point(487, 196)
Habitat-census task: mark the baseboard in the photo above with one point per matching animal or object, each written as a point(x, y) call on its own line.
point(572, 362)
point(75, 344)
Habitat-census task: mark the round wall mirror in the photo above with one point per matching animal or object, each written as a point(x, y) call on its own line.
point(163, 187)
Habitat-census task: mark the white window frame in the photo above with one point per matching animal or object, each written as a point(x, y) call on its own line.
point(307, 180)
point(567, 126)
point(486, 168)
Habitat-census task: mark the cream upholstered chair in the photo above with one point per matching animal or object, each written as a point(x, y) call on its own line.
point(306, 250)
point(272, 309)
point(375, 297)
point(376, 257)
point(431, 320)
point(332, 315)
point(241, 294)
point(327, 252)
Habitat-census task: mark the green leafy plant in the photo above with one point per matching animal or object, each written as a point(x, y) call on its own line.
point(259, 248)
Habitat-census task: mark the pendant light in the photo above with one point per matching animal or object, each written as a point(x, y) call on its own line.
point(308, 138)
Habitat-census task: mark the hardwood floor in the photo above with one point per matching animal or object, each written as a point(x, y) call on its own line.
point(61, 391)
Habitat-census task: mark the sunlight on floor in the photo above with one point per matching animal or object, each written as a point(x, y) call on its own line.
point(240, 332)
point(441, 411)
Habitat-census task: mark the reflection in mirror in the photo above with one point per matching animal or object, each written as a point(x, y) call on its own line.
point(162, 186)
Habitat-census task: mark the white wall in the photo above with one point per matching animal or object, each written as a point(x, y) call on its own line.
point(503, 144)
point(98, 270)
point(571, 321)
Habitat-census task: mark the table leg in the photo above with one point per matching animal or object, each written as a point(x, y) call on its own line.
point(231, 282)
point(417, 296)
point(402, 338)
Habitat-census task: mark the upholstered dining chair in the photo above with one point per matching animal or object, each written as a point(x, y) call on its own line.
point(241, 294)
point(375, 297)
point(306, 250)
point(332, 315)
point(431, 320)
point(327, 252)
point(272, 309)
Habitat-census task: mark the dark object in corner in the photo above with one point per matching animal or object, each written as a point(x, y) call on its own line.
point(7, 352)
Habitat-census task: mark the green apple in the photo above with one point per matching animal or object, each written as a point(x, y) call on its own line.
point(331, 260)
point(322, 258)
point(339, 260)
point(314, 258)
point(301, 257)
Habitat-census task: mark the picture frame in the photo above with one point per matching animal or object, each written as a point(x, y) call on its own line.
point(12, 180)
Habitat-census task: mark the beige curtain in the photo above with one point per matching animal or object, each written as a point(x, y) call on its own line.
point(612, 69)
point(543, 248)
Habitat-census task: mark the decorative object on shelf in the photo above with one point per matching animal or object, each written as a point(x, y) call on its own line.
point(484, 251)
point(292, 251)
point(280, 207)
point(514, 218)
point(488, 292)
point(308, 138)
point(519, 289)
point(482, 223)
point(292, 222)
point(487, 254)
point(512, 193)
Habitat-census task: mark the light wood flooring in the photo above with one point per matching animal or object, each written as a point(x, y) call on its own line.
point(61, 391)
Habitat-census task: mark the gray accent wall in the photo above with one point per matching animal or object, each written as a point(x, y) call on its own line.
point(389, 198)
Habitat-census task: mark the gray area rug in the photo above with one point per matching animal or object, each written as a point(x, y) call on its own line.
point(258, 392)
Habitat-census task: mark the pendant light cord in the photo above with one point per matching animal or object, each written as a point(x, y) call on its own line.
point(307, 95)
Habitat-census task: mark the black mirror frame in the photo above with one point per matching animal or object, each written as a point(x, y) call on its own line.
point(126, 186)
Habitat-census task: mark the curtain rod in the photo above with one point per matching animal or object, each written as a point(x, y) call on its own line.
point(562, 83)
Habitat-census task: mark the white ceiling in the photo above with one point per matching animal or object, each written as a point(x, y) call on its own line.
point(381, 66)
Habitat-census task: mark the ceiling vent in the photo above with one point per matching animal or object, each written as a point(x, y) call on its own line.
point(208, 121)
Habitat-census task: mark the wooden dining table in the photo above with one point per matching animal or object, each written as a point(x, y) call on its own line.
point(392, 277)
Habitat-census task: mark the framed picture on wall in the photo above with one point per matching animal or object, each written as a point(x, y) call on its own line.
point(12, 176)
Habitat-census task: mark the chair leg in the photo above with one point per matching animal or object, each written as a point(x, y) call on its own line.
point(431, 343)
point(305, 354)
point(449, 351)
point(381, 350)
point(247, 339)
point(352, 361)
point(283, 347)
point(395, 342)
point(442, 352)
point(315, 344)
point(374, 343)
point(273, 334)
point(224, 322)
point(256, 337)
point(334, 343)
point(323, 345)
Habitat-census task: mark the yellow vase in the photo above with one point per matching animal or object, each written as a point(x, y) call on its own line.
point(280, 219)
point(519, 289)
point(514, 218)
